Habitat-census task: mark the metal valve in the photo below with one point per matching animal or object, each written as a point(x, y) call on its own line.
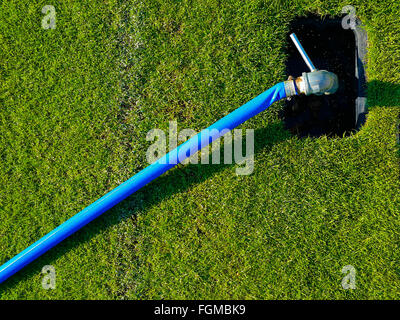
point(316, 82)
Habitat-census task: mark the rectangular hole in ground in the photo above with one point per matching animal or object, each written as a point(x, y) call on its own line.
point(330, 48)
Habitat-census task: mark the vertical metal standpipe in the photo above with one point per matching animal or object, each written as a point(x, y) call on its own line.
point(304, 55)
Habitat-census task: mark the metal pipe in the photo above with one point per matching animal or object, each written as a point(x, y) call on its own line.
point(303, 53)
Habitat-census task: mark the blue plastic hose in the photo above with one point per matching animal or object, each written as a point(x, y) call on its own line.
point(142, 178)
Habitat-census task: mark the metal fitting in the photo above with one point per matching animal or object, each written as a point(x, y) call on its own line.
point(319, 82)
point(316, 82)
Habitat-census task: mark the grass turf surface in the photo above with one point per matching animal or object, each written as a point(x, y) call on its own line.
point(77, 102)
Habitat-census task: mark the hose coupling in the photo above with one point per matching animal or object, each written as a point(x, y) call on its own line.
point(317, 82)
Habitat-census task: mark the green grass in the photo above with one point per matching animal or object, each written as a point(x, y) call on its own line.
point(77, 102)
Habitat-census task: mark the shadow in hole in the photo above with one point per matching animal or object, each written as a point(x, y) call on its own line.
point(332, 48)
point(177, 180)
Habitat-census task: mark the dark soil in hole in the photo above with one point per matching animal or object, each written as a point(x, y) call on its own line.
point(331, 48)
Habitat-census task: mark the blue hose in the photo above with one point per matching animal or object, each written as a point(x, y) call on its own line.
point(142, 178)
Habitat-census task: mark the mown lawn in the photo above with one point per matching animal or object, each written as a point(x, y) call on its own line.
point(76, 104)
